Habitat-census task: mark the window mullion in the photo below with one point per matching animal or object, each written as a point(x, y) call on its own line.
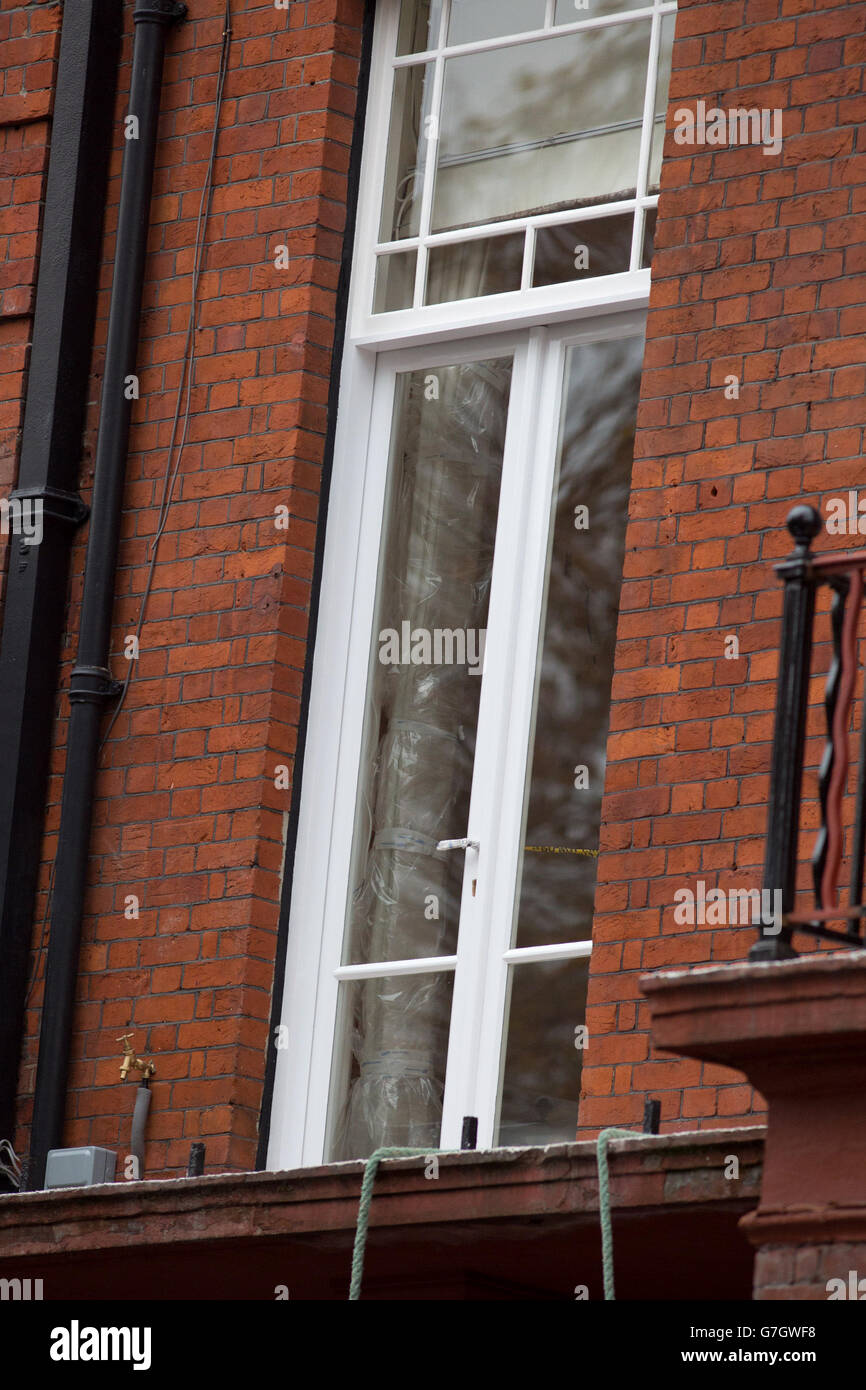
point(570, 950)
point(478, 1003)
point(431, 159)
point(379, 969)
point(527, 36)
point(646, 138)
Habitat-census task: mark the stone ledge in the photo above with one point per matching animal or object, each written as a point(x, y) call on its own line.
point(806, 1225)
point(797, 1029)
point(732, 1014)
point(501, 1224)
point(649, 1171)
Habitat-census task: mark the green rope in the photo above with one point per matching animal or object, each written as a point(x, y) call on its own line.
point(371, 1167)
point(604, 1139)
point(367, 1182)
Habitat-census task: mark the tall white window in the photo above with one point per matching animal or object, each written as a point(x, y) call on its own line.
point(443, 882)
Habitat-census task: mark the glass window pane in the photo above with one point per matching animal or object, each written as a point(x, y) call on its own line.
point(649, 233)
point(487, 265)
point(555, 123)
point(487, 19)
point(663, 83)
point(427, 653)
point(567, 762)
point(572, 11)
point(582, 250)
point(395, 282)
point(407, 143)
point(389, 1064)
point(418, 28)
point(541, 1076)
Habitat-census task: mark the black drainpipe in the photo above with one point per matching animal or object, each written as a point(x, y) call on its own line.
point(57, 384)
point(91, 683)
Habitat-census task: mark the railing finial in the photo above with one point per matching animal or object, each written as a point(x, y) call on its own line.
point(804, 523)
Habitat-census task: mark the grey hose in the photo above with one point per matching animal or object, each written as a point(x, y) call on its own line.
point(139, 1125)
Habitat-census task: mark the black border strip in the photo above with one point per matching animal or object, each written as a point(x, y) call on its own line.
point(58, 385)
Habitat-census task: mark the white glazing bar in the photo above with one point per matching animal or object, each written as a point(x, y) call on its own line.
point(649, 106)
point(523, 955)
point(384, 969)
point(508, 586)
point(431, 156)
point(516, 224)
point(444, 21)
point(571, 299)
point(533, 505)
point(532, 35)
point(374, 158)
point(528, 258)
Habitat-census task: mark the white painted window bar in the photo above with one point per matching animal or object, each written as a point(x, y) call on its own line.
point(428, 239)
point(536, 324)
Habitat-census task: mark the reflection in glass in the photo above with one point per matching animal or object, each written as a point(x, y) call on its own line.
point(395, 282)
point(488, 19)
point(582, 250)
point(570, 12)
point(486, 265)
point(541, 1076)
point(422, 705)
point(649, 233)
point(554, 123)
point(557, 887)
point(407, 144)
point(424, 687)
point(418, 28)
point(389, 1071)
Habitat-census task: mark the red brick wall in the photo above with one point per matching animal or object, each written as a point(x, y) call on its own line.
point(187, 816)
point(759, 272)
point(805, 1272)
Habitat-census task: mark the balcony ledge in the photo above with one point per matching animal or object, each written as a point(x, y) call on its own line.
point(503, 1223)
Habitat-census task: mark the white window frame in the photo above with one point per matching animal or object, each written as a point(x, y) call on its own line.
point(538, 325)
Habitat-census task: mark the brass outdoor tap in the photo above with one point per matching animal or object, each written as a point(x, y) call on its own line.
point(130, 1061)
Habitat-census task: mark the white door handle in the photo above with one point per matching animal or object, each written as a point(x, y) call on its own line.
point(457, 844)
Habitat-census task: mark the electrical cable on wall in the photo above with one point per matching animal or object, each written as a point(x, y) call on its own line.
point(184, 389)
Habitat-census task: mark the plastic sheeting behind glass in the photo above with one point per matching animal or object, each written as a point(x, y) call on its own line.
point(390, 1064)
point(541, 1075)
point(418, 26)
point(416, 770)
point(567, 763)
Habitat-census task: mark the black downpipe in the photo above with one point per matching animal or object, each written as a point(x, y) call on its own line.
point(91, 683)
point(54, 413)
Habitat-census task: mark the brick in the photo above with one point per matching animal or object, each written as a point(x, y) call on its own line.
point(157, 774)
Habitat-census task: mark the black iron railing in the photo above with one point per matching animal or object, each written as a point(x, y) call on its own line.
point(803, 574)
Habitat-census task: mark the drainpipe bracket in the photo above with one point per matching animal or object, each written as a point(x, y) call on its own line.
point(57, 504)
point(159, 11)
point(93, 683)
